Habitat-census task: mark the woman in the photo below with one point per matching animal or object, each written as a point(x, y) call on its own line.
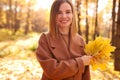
point(61, 51)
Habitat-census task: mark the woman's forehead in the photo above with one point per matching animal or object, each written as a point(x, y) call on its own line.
point(65, 6)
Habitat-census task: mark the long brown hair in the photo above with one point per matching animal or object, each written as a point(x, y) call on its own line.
point(54, 10)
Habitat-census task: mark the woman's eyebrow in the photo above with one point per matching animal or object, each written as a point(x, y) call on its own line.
point(69, 10)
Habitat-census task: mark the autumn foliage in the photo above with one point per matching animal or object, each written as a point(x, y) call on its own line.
point(101, 50)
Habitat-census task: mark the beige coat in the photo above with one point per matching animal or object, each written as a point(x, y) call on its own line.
point(59, 62)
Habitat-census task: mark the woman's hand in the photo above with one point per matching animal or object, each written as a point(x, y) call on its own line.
point(86, 59)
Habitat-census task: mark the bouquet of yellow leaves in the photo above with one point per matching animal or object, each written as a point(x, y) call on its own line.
point(101, 50)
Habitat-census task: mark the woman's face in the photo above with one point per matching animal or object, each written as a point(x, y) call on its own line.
point(64, 15)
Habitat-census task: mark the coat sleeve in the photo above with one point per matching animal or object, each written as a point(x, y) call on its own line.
point(86, 74)
point(53, 68)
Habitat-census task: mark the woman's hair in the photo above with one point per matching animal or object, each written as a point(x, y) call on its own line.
point(54, 10)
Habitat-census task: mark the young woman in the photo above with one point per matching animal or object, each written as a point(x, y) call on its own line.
point(61, 51)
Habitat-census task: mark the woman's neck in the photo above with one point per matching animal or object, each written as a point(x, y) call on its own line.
point(64, 30)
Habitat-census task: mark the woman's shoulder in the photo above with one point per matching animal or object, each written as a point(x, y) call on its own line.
point(44, 34)
point(79, 36)
point(45, 37)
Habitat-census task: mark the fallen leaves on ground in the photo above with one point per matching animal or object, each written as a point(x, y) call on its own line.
point(19, 69)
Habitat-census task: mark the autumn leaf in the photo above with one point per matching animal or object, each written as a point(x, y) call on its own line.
point(101, 50)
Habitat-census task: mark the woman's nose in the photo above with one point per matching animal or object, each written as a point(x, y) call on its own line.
point(64, 15)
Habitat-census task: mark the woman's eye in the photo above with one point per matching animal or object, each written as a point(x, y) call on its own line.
point(59, 13)
point(68, 12)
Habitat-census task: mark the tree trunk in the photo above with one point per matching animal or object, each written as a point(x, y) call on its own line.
point(117, 42)
point(16, 21)
point(96, 30)
point(27, 21)
point(87, 26)
point(78, 16)
point(113, 21)
point(9, 15)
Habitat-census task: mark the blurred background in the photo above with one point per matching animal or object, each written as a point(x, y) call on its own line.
point(22, 21)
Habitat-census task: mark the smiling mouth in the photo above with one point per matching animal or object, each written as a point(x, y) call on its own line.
point(64, 21)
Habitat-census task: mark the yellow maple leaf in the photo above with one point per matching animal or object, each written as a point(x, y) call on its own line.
point(101, 50)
